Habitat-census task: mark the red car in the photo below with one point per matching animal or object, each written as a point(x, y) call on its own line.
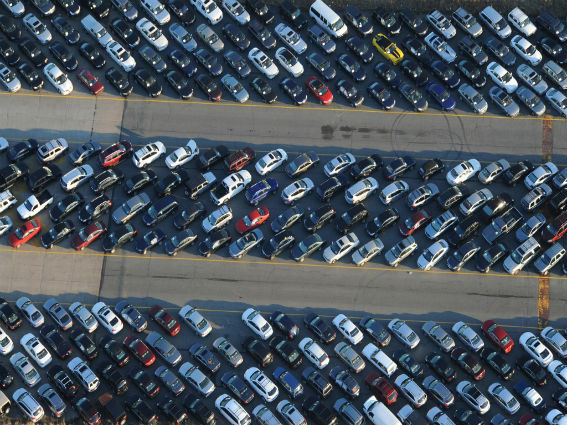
point(90, 81)
point(528, 419)
point(468, 363)
point(139, 350)
point(319, 90)
point(414, 222)
point(252, 220)
point(113, 154)
point(165, 320)
point(87, 235)
point(498, 335)
point(381, 388)
point(235, 161)
point(24, 233)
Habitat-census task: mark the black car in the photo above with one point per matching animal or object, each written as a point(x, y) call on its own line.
point(490, 257)
point(9, 27)
point(205, 358)
point(238, 387)
point(62, 380)
point(317, 381)
point(261, 34)
point(467, 417)
point(463, 231)
point(473, 50)
point(30, 76)
point(496, 206)
point(236, 36)
point(294, 91)
point(99, 8)
point(316, 219)
point(277, 244)
point(285, 324)
point(9, 316)
point(397, 167)
point(105, 179)
point(187, 215)
point(238, 63)
point(500, 51)
point(170, 182)
point(293, 15)
point(212, 156)
point(358, 20)
point(360, 48)
point(498, 363)
point(472, 73)
point(461, 256)
point(68, 31)
point(351, 217)
point(388, 20)
point(376, 331)
point(388, 73)
point(418, 49)
point(148, 82)
point(415, 72)
point(57, 233)
point(351, 67)
point(64, 56)
point(430, 167)
point(414, 21)
point(318, 412)
point(115, 350)
point(144, 382)
point(301, 163)
point(84, 343)
point(552, 25)
point(261, 10)
point(441, 366)
point(139, 181)
point(66, 206)
point(118, 237)
point(560, 397)
point(180, 84)
point(450, 197)
point(125, 32)
point(92, 53)
point(446, 73)
point(112, 375)
point(94, 209)
point(259, 351)
point(6, 378)
point(43, 177)
point(319, 326)
point(179, 241)
point(553, 49)
point(214, 241)
point(382, 95)
point(71, 7)
point(11, 174)
point(408, 363)
point(174, 413)
point(54, 340)
point(140, 409)
point(199, 410)
point(350, 93)
point(517, 172)
point(345, 381)
point(365, 166)
point(321, 65)
point(264, 90)
point(208, 61)
point(331, 186)
point(153, 59)
point(287, 351)
point(183, 12)
point(183, 62)
point(22, 150)
point(287, 218)
point(533, 370)
point(8, 54)
point(33, 52)
point(209, 87)
point(119, 81)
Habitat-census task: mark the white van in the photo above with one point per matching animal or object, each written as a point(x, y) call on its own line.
point(7, 200)
point(327, 19)
point(96, 30)
point(378, 413)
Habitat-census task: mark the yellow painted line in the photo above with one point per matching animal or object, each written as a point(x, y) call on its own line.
point(547, 139)
point(543, 302)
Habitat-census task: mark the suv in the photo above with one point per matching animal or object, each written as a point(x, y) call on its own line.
point(463, 230)
point(239, 159)
point(521, 256)
point(233, 412)
point(502, 225)
point(556, 229)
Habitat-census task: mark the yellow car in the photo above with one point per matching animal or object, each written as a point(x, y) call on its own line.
point(388, 49)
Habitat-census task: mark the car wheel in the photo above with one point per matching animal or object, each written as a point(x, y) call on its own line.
point(112, 251)
point(144, 252)
point(238, 257)
point(173, 254)
point(301, 260)
point(83, 248)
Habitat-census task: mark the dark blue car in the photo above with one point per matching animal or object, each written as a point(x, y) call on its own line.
point(290, 383)
point(530, 395)
point(261, 190)
point(441, 96)
point(445, 73)
point(388, 74)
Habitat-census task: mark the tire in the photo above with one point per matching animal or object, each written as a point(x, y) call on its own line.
point(83, 248)
point(17, 246)
point(302, 259)
point(112, 251)
point(208, 254)
point(173, 254)
point(144, 252)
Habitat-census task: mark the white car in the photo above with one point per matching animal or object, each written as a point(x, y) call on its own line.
point(468, 336)
point(441, 47)
point(504, 398)
point(33, 205)
point(25, 369)
point(441, 24)
point(559, 372)
point(411, 390)
point(340, 247)
point(58, 79)
point(257, 324)
point(270, 161)
point(9, 79)
point(338, 164)
point(289, 62)
point(83, 373)
point(432, 255)
point(314, 353)
point(28, 405)
point(230, 186)
point(182, 155)
point(37, 28)
point(210, 38)
point(30, 312)
point(209, 9)
point(540, 175)
point(348, 329)
point(367, 252)
point(474, 201)
point(195, 321)
point(462, 172)
point(521, 22)
point(473, 397)
point(36, 350)
point(16, 7)
point(532, 78)
point(83, 316)
point(438, 417)
point(197, 379)
point(556, 340)
point(236, 11)
point(440, 224)
point(493, 170)
point(556, 417)
point(297, 190)
point(526, 49)
point(156, 10)
point(261, 384)
point(379, 359)
point(148, 154)
point(263, 63)
point(232, 411)
point(217, 219)
point(152, 34)
point(75, 177)
point(107, 318)
point(121, 56)
point(52, 149)
point(558, 101)
point(502, 77)
point(403, 333)
point(361, 190)
point(495, 22)
point(290, 414)
point(183, 37)
point(291, 38)
point(536, 349)
point(6, 343)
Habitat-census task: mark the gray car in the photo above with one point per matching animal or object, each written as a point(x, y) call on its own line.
point(183, 37)
point(531, 100)
point(37, 28)
point(126, 8)
point(238, 63)
point(52, 399)
point(165, 349)
point(84, 152)
point(242, 245)
point(58, 313)
point(210, 38)
point(152, 58)
point(438, 335)
point(130, 208)
point(170, 380)
point(348, 412)
point(530, 227)
point(501, 99)
point(25, 369)
point(555, 73)
point(223, 346)
point(235, 88)
point(400, 251)
point(534, 80)
point(9, 79)
point(197, 379)
point(349, 355)
point(549, 258)
point(473, 98)
point(438, 390)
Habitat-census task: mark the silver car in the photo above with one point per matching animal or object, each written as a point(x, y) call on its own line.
point(489, 173)
point(400, 251)
point(164, 348)
point(556, 73)
point(130, 208)
point(441, 224)
point(432, 255)
point(367, 251)
point(534, 80)
point(531, 100)
point(549, 258)
point(235, 88)
point(393, 191)
point(473, 98)
point(467, 22)
point(37, 28)
point(291, 38)
point(224, 347)
point(5, 224)
point(242, 245)
point(9, 79)
point(197, 379)
point(475, 201)
point(436, 388)
point(438, 335)
point(25, 369)
point(183, 37)
point(210, 38)
point(411, 390)
point(501, 99)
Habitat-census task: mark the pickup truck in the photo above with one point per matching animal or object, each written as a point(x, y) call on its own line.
point(230, 186)
point(502, 225)
point(34, 204)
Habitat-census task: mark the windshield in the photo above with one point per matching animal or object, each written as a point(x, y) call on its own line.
point(337, 25)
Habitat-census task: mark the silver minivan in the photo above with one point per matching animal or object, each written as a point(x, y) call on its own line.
point(550, 258)
point(521, 256)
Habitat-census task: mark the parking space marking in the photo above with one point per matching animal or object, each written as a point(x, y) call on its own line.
point(543, 302)
point(547, 139)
